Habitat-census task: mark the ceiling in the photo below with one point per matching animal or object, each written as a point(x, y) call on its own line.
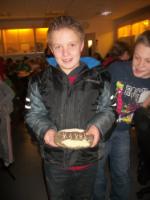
point(81, 9)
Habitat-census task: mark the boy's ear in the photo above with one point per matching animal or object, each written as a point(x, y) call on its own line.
point(82, 46)
point(49, 46)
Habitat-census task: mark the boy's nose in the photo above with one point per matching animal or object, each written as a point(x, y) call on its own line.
point(65, 51)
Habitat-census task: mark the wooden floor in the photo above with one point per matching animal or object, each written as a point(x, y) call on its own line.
point(23, 180)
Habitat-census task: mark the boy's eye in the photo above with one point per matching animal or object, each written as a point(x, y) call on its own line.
point(72, 45)
point(56, 47)
point(136, 57)
point(148, 61)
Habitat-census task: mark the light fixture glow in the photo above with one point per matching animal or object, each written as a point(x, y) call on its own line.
point(90, 43)
point(106, 13)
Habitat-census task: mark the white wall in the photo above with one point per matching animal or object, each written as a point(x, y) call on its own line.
point(104, 33)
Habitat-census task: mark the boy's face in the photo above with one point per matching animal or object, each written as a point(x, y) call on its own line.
point(141, 61)
point(66, 46)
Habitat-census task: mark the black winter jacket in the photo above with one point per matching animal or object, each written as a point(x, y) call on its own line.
point(53, 103)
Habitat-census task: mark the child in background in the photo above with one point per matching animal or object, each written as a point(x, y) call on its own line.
point(131, 80)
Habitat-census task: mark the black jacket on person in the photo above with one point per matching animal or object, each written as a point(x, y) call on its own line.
point(53, 103)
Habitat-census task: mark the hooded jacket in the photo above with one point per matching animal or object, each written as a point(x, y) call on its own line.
point(53, 103)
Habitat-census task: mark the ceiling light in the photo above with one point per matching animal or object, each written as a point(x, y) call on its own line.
point(106, 13)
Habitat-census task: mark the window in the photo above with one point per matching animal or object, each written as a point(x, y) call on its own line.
point(41, 38)
point(18, 40)
point(1, 43)
point(133, 29)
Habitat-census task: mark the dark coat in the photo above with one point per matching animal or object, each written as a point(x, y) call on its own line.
point(55, 104)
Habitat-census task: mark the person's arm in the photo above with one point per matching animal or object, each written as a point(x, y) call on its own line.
point(37, 117)
point(8, 93)
point(6, 98)
point(105, 118)
point(146, 102)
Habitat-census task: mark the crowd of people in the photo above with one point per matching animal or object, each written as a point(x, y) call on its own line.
point(67, 93)
point(14, 76)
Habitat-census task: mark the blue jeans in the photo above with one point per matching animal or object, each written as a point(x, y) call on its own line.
point(64, 184)
point(117, 153)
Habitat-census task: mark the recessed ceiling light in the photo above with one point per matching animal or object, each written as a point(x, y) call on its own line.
point(106, 13)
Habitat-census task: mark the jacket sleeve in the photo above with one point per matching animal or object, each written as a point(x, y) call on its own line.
point(37, 117)
point(105, 117)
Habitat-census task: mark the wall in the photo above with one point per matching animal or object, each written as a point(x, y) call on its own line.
point(104, 42)
point(103, 27)
point(106, 29)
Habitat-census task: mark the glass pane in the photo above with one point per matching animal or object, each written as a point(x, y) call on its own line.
point(10, 41)
point(139, 27)
point(26, 40)
point(18, 40)
point(133, 29)
point(1, 44)
point(41, 38)
point(124, 31)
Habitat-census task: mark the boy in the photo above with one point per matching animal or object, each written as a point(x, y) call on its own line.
point(69, 96)
point(132, 84)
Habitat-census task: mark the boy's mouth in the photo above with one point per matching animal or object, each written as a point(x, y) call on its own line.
point(67, 60)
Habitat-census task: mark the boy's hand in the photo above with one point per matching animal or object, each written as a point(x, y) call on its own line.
point(94, 131)
point(49, 138)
